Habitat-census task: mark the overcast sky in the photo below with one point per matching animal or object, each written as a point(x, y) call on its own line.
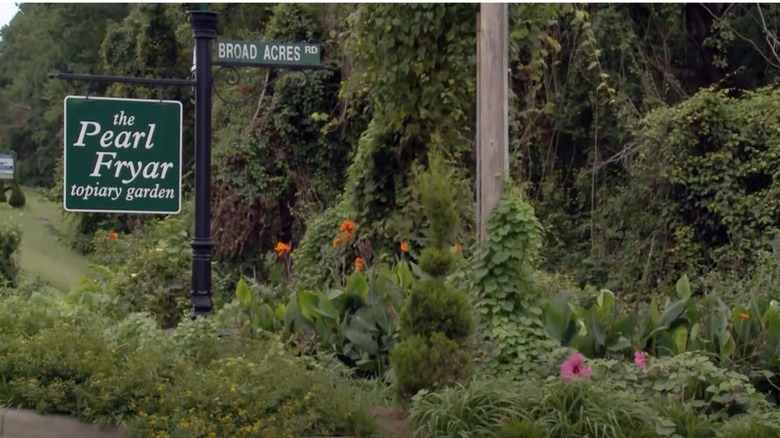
point(7, 12)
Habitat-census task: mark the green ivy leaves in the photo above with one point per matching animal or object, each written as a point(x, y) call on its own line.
point(509, 298)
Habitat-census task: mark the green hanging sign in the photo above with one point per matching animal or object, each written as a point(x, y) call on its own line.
point(122, 155)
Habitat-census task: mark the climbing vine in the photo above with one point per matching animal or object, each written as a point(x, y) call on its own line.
point(414, 65)
point(508, 301)
point(275, 165)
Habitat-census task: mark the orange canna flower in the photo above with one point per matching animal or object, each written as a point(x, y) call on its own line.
point(744, 315)
point(338, 241)
point(457, 249)
point(360, 264)
point(404, 246)
point(282, 249)
point(113, 235)
point(348, 227)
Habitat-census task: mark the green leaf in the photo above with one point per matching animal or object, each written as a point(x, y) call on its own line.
point(332, 294)
point(265, 317)
point(291, 312)
point(773, 322)
point(361, 340)
point(727, 344)
point(621, 344)
point(324, 307)
point(654, 315)
point(665, 428)
point(557, 316)
point(671, 314)
point(597, 329)
point(404, 273)
point(684, 288)
point(357, 286)
point(605, 300)
point(306, 303)
point(280, 312)
point(243, 294)
point(680, 338)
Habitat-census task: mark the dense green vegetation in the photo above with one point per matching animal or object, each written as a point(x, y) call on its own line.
point(628, 285)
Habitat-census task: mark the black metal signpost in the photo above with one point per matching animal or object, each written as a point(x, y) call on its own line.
point(230, 54)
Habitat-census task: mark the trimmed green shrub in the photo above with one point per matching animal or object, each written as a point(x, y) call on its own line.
point(436, 322)
point(10, 239)
point(3, 199)
point(17, 199)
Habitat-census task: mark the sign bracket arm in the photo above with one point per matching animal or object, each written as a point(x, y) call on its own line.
point(123, 79)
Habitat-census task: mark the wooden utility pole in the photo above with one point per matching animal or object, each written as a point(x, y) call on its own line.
point(492, 109)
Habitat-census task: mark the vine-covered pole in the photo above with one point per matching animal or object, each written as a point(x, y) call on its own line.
point(492, 109)
point(204, 30)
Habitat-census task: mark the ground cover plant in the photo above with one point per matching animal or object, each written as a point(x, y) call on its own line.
point(627, 285)
point(189, 382)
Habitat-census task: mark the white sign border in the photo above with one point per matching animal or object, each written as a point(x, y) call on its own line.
point(65, 153)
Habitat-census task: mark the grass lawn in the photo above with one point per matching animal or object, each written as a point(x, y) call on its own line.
point(43, 254)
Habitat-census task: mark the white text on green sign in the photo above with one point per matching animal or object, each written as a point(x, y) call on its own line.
point(268, 53)
point(122, 155)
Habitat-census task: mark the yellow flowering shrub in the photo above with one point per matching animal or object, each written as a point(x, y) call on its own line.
point(185, 383)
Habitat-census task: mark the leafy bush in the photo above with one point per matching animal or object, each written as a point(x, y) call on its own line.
point(581, 409)
point(189, 382)
point(752, 426)
point(532, 409)
point(3, 199)
point(701, 188)
point(17, 199)
point(436, 322)
point(509, 298)
point(357, 322)
point(316, 263)
point(604, 329)
point(10, 239)
point(687, 420)
point(149, 271)
point(472, 410)
point(690, 377)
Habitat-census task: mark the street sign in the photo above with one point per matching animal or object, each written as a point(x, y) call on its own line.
point(269, 54)
point(6, 166)
point(122, 155)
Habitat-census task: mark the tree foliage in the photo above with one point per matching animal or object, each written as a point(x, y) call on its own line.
point(703, 185)
point(399, 81)
point(414, 64)
point(43, 38)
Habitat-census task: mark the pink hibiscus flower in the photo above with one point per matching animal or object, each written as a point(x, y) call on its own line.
point(574, 368)
point(639, 359)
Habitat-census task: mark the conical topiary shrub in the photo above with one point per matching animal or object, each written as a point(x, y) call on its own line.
point(437, 321)
point(17, 199)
